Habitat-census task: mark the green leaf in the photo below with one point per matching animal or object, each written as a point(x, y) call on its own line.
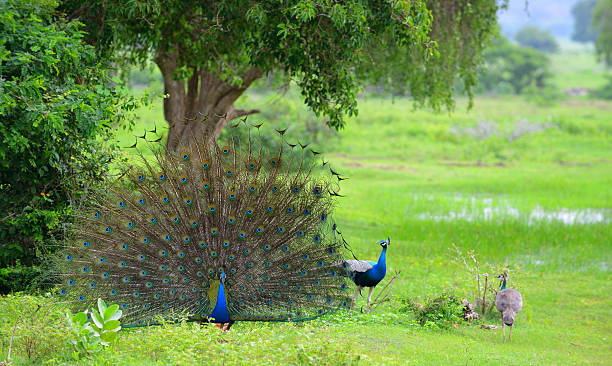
point(101, 306)
point(110, 312)
point(97, 319)
point(112, 325)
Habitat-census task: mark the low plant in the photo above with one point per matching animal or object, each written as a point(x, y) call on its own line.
point(441, 311)
point(93, 329)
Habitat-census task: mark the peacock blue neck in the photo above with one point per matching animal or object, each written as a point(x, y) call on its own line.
point(503, 285)
point(220, 313)
point(381, 266)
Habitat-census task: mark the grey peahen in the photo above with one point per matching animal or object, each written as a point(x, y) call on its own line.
point(368, 273)
point(238, 232)
point(508, 302)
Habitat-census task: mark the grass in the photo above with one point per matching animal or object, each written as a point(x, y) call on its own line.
point(430, 181)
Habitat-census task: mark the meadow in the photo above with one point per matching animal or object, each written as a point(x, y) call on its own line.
point(524, 185)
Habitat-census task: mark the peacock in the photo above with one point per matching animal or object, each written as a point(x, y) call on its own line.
point(508, 302)
point(368, 273)
point(215, 232)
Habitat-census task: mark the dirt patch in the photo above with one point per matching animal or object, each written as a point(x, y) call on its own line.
point(355, 164)
point(477, 163)
point(588, 103)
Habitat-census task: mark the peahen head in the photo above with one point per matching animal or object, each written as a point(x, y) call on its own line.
point(502, 277)
point(385, 243)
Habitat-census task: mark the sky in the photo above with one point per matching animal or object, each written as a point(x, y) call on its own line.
point(552, 15)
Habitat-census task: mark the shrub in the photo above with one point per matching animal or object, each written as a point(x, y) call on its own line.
point(438, 312)
point(57, 109)
point(39, 329)
point(507, 64)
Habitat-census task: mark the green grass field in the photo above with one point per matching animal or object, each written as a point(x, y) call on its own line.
point(527, 187)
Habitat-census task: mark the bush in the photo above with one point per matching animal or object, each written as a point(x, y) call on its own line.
point(507, 64)
point(57, 109)
point(35, 324)
point(605, 92)
point(438, 312)
point(534, 37)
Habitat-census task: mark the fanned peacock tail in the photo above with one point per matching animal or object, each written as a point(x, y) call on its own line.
point(157, 241)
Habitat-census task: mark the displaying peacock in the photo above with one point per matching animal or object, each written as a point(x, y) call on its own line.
point(237, 232)
point(368, 273)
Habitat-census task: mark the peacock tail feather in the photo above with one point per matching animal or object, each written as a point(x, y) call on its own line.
point(157, 240)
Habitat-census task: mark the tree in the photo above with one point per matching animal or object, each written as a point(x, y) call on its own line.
point(602, 22)
point(210, 52)
point(520, 67)
point(582, 12)
point(57, 110)
point(534, 37)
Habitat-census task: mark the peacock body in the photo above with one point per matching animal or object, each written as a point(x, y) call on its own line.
point(368, 273)
point(218, 233)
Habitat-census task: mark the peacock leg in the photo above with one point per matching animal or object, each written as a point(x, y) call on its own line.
point(369, 299)
point(357, 289)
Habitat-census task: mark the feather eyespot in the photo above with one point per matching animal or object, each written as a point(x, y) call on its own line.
point(206, 185)
point(188, 201)
point(241, 234)
point(141, 201)
point(232, 195)
point(228, 172)
point(96, 214)
point(249, 211)
point(225, 150)
point(186, 239)
point(184, 179)
point(211, 208)
point(185, 156)
point(202, 244)
point(205, 165)
point(213, 231)
point(140, 177)
point(259, 229)
point(162, 176)
point(252, 188)
point(121, 204)
point(231, 219)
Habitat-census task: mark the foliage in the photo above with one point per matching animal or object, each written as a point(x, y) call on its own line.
point(534, 37)
point(605, 92)
point(57, 109)
point(602, 22)
point(509, 65)
point(441, 311)
point(326, 48)
point(93, 328)
point(37, 323)
point(582, 11)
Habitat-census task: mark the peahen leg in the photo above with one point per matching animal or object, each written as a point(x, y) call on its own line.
point(369, 299)
point(504, 329)
point(357, 290)
point(510, 334)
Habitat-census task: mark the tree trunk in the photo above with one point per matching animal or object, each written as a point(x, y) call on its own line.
point(200, 107)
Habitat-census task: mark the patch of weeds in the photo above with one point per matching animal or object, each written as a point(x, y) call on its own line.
point(31, 327)
point(442, 311)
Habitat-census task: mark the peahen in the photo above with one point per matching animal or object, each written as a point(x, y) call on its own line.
point(368, 273)
point(508, 302)
point(238, 232)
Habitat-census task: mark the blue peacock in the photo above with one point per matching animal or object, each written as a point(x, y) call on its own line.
point(368, 273)
point(219, 232)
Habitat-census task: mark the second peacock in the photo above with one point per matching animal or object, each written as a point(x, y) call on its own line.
point(221, 233)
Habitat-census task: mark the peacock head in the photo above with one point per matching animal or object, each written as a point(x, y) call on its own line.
point(222, 277)
point(384, 243)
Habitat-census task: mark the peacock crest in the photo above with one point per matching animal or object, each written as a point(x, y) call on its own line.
point(235, 221)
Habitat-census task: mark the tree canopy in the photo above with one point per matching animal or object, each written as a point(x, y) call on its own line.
point(534, 37)
point(602, 22)
point(209, 52)
point(57, 107)
point(582, 12)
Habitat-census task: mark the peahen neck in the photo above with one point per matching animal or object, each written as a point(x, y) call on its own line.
point(503, 287)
